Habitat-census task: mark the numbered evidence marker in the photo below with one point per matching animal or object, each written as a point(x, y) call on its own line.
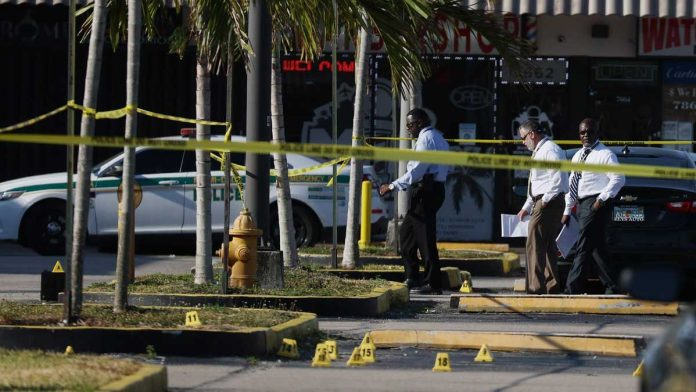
point(321, 356)
point(355, 358)
point(332, 349)
point(639, 370)
point(484, 355)
point(442, 363)
point(57, 267)
point(288, 349)
point(466, 287)
point(192, 319)
point(367, 340)
point(367, 352)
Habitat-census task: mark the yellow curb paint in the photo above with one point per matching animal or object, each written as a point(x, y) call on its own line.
point(147, 378)
point(609, 345)
point(594, 304)
point(473, 246)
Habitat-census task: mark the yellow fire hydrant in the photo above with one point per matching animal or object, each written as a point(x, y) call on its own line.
point(241, 257)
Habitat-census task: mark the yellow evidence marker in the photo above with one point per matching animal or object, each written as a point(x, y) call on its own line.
point(288, 349)
point(321, 357)
point(355, 358)
point(484, 355)
point(192, 319)
point(69, 350)
point(639, 370)
point(442, 363)
point(367, 352)
point(57, 267)
point(332, 349)
point(466, 287)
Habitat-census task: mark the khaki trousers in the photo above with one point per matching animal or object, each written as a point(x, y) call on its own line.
point(542, 256)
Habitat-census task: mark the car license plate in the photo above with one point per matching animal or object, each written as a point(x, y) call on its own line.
point(629, 214)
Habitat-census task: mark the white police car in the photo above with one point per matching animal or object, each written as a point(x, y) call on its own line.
point(32, 209)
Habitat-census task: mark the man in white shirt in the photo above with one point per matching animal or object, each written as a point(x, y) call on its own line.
point(426, 184)
point(545, 205)
point(590, 192)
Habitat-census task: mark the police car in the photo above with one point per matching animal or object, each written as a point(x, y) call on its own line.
point(32, 209)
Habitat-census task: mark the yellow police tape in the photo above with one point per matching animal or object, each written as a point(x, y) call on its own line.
point(571, 142)
point(110, 115)
point(487, 161)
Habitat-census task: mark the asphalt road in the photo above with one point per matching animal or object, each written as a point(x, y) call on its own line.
point(400, 369)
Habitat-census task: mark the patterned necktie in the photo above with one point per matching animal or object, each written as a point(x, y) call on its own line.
point(576, 175)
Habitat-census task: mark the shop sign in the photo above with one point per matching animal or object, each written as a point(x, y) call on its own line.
point(471, 97)
point(679, 72)
point(543, 71)
point(457, 39)
point(625, 72)
point(667, 37)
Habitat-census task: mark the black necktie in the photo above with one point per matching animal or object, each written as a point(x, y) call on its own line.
point(575, 181)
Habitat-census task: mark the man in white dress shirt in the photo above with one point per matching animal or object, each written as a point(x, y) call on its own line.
point(590, 192)
point(545, 205)
point(426, 184)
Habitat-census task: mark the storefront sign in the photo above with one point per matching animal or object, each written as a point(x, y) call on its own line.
point(667, 37)
point(679, 72)
point(625, 72)
point(543, 71)
point(471, 97)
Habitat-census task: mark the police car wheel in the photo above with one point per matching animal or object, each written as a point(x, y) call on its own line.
point(46, 230)
point(306, 228)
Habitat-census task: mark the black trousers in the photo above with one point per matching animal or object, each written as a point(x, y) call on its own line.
point(590, 246)
point(418, 232)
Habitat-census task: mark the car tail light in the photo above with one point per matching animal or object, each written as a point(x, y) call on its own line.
point(187, 132)
point(682, 206)
point(377, 211)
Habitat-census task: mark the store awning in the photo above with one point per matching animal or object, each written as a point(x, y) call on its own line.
point(654, 8)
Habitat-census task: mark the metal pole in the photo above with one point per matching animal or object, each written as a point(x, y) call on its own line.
point(258, 119)
point(228, 157)
point(70, 159)
point(334, 136)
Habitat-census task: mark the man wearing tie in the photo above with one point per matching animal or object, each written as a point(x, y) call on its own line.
point(545, 205)
point(426, 184)
point(591, 191)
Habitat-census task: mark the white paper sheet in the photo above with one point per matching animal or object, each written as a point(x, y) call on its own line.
point(511, 226)
point(568, 236)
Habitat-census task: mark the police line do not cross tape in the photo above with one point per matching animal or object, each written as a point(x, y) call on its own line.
point(478, 160)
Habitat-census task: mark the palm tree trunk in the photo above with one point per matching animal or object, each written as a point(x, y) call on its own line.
point(84, 158)
point(204, 248)
point(285, 222)
point(351, 252)
point(126, 212)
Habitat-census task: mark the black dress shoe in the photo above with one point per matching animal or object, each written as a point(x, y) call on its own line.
point(426, 289)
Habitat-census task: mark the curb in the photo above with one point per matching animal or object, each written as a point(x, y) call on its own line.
point(507, 264)
point(368, 305)
point(608, 345)
point(592, 304)
point(502, 247)
point(147, 378)
point(167, 341)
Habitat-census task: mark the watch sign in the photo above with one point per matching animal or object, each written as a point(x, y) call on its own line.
point(667, 37)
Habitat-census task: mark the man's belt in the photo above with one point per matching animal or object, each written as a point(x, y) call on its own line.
point(538, 197)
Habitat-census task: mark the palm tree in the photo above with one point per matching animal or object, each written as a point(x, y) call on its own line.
point(286, 228)
point(350, 249)
point(126, 213)
point(404, 27)
point(84, 158)
point(216, 27)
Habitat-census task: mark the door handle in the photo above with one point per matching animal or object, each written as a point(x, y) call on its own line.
point(169, 182)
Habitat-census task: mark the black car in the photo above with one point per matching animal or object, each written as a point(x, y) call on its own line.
point(652, 219)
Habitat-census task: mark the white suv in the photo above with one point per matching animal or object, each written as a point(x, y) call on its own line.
point(32, 209)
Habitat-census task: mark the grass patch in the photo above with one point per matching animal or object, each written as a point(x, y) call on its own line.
point(298, 282)
point(34, 370)
point(325, 249)
point(215, 318)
